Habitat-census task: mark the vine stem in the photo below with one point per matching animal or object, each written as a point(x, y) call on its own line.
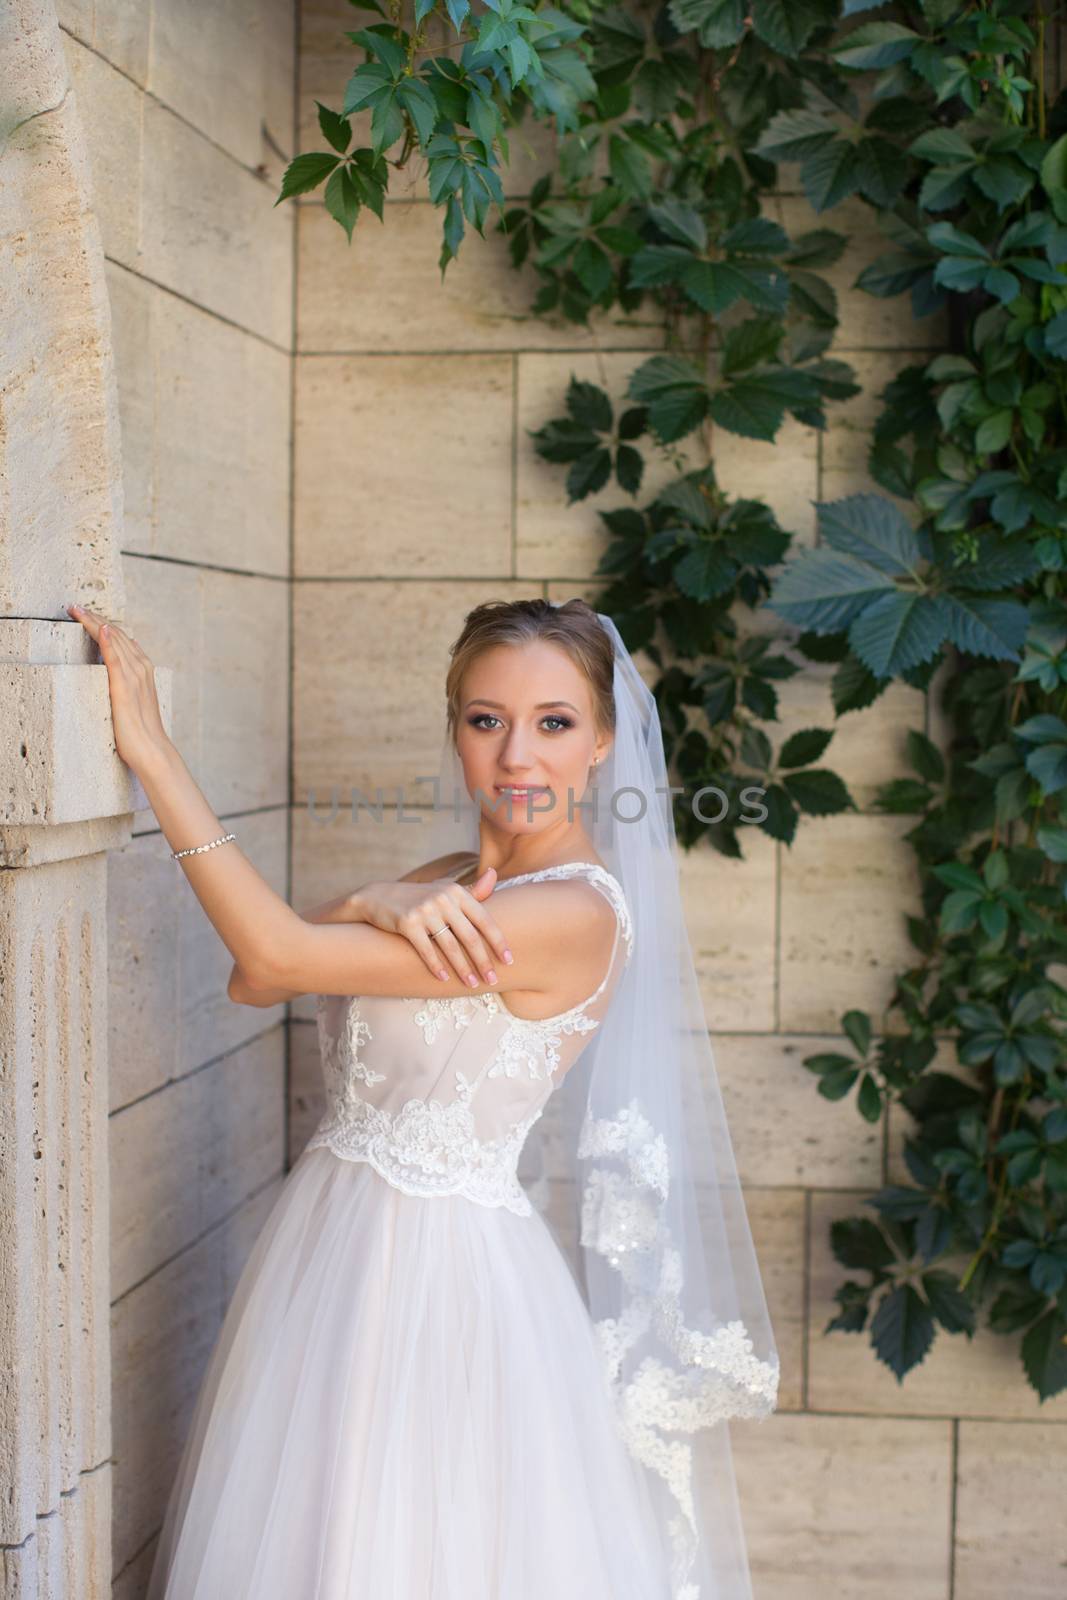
point(998, 1203)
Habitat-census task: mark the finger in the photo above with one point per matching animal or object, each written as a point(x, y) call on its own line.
point(470, 938)
point(427, 949)
point(483, 885)
point(91, 621)
point(491, 933)
point(452, 950)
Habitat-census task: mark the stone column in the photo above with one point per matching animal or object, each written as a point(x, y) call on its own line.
point(65, 799)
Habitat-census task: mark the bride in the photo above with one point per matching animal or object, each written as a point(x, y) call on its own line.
point(422, 1390)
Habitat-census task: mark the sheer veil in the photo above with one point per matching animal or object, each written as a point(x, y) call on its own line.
point(633, 1159)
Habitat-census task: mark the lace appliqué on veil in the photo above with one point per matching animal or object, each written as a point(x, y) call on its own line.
point(714, 1376)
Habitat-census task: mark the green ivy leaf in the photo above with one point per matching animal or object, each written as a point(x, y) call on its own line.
point(588, 474)
point(630, 167)
point(804, 747)
point(794, 135)
point(336, 129)
point(589, 406)
point(876, 44)
point(785, 25)
point(831, 173)
point(872, 528)
point(902, 1329)
point(718, 22)
point(675, 394)
point(305, 173)
point(342, 200)
point(750, 342)
point(897, 631)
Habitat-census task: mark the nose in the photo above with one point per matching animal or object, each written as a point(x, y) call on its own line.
point(513, 755)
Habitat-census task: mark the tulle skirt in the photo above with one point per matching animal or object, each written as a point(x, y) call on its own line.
point(405, 1402)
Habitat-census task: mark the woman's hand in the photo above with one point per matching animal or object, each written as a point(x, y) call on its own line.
point(415, 910)
point(135, 715)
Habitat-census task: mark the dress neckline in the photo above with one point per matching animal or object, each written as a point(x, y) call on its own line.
point(559, 866)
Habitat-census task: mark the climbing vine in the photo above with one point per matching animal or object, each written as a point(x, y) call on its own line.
point(676, 124)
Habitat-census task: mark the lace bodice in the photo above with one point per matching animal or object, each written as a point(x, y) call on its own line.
point(439, 1094)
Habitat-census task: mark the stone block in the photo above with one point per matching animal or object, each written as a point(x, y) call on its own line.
point(163, 1332)
point(1011, 1535)
point(111, 110)
point(208, 64)
point(220, 442)
point(154, 1175)
point(189, 1155)
point(143, 941)
point(981, 1377)
point(245, 668)
point(132, 1581)
point(241, 1117)
point(389, 638)
point(210, 231)
point(35, 71)
point(54, 1416)
point(846, 884)
point(61, 453)
point(827, 1147)
point(731, 916)
point(133, 335)
point(860, 1507)
point(403, 466)
point(384, 292)
point(118, 30)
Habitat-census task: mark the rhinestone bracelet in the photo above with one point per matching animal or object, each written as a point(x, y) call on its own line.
point(194, 850)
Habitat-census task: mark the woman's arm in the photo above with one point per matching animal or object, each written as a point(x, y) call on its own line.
point(272, 945)
point(344, 908)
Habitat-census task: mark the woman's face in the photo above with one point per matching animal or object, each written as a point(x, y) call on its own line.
point(525, 733)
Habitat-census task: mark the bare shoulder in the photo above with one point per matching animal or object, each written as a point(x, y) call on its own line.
point(439, 867)
point(567, 929)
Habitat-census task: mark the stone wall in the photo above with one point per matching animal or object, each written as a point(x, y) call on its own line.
point(309, 530)
point(188, 116)
point(417, 495)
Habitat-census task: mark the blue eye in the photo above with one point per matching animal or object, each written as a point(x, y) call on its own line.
point(484, 716)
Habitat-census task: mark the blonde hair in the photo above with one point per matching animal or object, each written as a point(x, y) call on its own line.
point(574, 626)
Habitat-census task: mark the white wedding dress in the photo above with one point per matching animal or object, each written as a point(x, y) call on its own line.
point(406, 1400)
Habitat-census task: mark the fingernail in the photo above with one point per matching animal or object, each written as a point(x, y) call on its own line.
point(443, 976)
point(472, 980)
point(508, 957)
point(491, 975)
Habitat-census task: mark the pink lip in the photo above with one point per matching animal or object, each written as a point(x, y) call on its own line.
point(502, 788)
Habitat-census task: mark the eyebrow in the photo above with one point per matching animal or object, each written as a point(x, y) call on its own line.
point(542, 705)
